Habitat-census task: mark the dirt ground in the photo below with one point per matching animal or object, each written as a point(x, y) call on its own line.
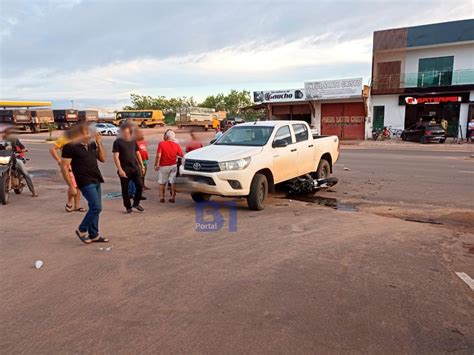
point(373, 276)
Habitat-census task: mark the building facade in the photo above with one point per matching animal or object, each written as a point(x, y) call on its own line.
point(330, 107)
point(423, 73)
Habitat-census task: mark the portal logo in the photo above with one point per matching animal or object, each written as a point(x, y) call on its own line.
point(209, 216)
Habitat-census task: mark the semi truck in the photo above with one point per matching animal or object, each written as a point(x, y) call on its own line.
point(23, 119)
point(65, 118)
point(89, 116)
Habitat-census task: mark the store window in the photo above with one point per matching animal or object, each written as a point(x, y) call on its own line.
point(435, 71)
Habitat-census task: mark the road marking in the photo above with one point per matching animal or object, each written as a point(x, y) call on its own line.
point(465, 277)
point(466, 172)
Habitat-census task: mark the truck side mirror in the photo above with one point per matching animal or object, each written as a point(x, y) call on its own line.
point(280, 143)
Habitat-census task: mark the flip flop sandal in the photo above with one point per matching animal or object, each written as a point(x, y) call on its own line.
point(84, 238)
point(162, 200)
point(99, 239)
point(68, 208)
point(80, 209)
point(171, 200)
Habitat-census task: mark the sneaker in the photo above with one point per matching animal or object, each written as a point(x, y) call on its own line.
point(129, 210)
point(139, 208)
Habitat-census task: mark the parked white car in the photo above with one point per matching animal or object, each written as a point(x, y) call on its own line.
point(250, 158)
point(106, 129)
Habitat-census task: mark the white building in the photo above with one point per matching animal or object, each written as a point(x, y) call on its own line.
point(332, 107)
point(423, 73)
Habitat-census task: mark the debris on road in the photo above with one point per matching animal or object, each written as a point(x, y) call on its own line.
point(106, 249)
point(429, 221)
point(347, 169)
point(38, 264)
point(467, 279)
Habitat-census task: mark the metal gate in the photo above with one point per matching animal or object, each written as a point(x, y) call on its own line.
point(345, 120)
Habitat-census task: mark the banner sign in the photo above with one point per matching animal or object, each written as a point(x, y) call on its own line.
point(278, 95)
point(333, 89)
point(432, 99)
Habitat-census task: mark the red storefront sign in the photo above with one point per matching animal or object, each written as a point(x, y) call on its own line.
point(431, 99)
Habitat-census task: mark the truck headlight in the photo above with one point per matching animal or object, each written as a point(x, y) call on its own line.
point(4, 160)
point(234, 164)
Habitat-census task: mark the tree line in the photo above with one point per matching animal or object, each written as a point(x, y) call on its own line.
point(231, 103)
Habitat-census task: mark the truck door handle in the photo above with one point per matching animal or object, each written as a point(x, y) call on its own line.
point(310, 146)
point(294, 150)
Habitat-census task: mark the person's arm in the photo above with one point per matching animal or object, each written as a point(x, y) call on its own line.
point(121, 172)
point(140, 160)
point(54, 153)
point(65, 168)
point(100, 148)
point(158, 158)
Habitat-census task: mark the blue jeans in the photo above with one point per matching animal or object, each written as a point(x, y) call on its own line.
point(90, 223)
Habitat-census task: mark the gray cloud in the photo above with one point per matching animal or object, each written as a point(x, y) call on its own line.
point(45, 39)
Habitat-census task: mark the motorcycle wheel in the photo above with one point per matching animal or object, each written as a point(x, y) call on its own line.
point(19, 190)
point(4, 196)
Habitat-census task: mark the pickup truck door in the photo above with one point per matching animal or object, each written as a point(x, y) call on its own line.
point(305, 149)
point(284, 158)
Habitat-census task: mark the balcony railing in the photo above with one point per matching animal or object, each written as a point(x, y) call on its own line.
point(395, 83)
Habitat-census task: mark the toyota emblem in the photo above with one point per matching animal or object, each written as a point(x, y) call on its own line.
point(197, 166)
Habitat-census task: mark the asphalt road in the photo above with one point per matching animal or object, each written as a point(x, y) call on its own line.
point(297, 277)
point(422, 175)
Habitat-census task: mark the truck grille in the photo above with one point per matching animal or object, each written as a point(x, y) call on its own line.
point(205, 166)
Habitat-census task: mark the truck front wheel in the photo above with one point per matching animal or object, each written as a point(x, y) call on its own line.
point(200, 197)
point(258, 192)
point(324, 169)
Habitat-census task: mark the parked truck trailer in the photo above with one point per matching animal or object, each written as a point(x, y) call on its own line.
point(203, 117)
point(65, 118)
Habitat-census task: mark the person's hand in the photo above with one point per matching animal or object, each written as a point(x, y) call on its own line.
point(72, 191)
point(59, 162)
point(122, 174)
point(157, 167)
point(143, 170)
point(98, 138)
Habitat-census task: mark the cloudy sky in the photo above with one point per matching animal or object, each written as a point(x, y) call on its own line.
point(97, 52)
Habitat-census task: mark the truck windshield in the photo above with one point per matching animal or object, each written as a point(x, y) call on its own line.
point(246, 135)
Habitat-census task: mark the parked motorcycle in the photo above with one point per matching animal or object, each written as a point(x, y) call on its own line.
point(10, 176)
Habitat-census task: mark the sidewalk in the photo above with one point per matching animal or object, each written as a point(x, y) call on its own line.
point(399, 144)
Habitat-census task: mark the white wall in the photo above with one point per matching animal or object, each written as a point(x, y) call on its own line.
point(463, 119)
point(463, 56)
point(394, 113)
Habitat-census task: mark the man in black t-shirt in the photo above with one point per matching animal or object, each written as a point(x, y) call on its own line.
point(82, 158)
point(130, 167)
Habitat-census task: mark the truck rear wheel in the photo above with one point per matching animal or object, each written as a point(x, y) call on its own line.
point(258, 192)
point(324, 169)
point(200, 197)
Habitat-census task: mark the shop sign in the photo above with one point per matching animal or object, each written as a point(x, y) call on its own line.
point(343, 120)
point(333, 89)
point(279, 95)
point(432, 99)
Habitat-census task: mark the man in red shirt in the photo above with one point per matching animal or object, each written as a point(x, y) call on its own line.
point(165, 163)
point(194, 143)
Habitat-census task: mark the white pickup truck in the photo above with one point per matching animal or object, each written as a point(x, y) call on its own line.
point(250, 158)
